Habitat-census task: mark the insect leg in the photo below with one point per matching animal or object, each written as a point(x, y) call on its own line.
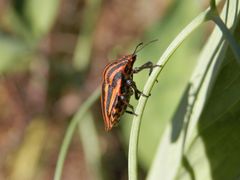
point(147, 65)
point(131, 112)
point(138, 93)
point(128, 105)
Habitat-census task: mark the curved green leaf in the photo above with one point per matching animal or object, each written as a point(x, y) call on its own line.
point(202, 142)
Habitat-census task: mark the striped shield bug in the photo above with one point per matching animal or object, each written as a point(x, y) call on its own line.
point(118, 86)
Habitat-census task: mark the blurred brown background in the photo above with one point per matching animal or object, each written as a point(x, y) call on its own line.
point(52, 54)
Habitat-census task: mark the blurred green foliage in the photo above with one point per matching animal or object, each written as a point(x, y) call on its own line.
point(172, 82)
point(27, 21)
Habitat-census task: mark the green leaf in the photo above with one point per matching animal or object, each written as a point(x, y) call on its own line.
point(78, 116)
point(203, 140)
point(218, 128)
point(135, 130)
point(13, 53)
point(91, 146)
point(172, 80)
point(41, 15)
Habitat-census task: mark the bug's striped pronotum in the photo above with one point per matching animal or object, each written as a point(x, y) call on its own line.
point(118, 86)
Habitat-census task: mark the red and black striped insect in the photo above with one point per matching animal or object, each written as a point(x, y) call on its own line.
point(118, 86)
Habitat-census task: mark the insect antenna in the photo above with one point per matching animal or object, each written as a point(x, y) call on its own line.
point(140, 44)
point(135, 51)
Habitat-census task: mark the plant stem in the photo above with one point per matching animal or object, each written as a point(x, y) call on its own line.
point(70, 130)
point(228, 36)
point(135, 130)
point(91, 146)
point(213, 5)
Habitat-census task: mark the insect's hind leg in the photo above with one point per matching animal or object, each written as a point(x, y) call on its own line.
point(123, 99)
point(131, 112)
point(138, 93)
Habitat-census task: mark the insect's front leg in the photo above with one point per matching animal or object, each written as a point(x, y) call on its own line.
point(138, 93)
point(123, 99)
point(148, 65)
